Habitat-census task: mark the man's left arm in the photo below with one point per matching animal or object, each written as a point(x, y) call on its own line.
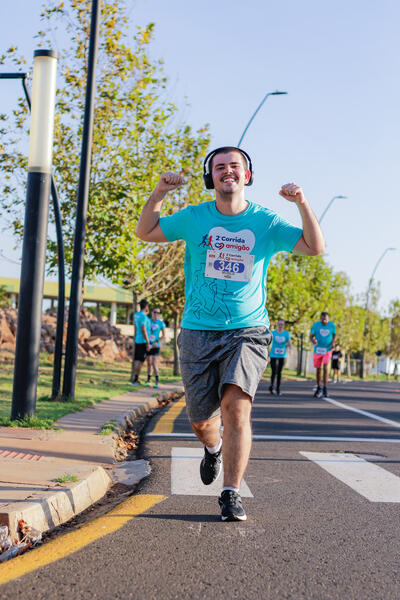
point(312, 241)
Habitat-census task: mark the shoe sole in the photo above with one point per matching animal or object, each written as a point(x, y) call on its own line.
point(234, 518)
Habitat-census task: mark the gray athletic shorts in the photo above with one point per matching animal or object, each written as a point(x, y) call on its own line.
point(211, 359)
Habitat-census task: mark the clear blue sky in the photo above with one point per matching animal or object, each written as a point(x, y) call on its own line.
point(336, 132)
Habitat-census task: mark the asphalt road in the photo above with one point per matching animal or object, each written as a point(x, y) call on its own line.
point(310, 533)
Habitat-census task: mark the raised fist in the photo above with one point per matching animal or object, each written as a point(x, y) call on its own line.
point(292, 192)
point(169, 181)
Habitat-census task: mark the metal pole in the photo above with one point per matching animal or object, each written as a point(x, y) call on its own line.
point(329, 204)
point(277, 93)
point(35, 231)
point(71, 352)
point(61, 295)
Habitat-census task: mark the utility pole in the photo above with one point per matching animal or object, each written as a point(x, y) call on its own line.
point(71, 351)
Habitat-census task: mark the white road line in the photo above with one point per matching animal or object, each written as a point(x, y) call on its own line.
point(371, 481)
point(366, 413)
point(305, 438)
point(185, 476)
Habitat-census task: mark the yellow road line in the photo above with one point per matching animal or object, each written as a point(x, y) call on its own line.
point(166, 423)
point(75, 540)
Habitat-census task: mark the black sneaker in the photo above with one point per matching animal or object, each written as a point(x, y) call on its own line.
point(318, 393)
point(325, 393)
point(210, 466)
point(271, 389)
point(231, 506)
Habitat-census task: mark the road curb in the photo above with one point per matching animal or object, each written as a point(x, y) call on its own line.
point(53, 507)
point(56, 507)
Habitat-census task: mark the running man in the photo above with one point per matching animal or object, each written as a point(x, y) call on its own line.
point(224, 337)
point(156, 333)
point(280, 339)
point(323, 335)
point(142, 342)
point(335, 364)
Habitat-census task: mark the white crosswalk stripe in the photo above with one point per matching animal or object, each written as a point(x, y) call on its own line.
point(368, 479)
point(185, 475)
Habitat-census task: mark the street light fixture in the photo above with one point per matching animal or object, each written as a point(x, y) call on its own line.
point(367, 304)
point(276, 93)
point(329, 205)
point(35, 233)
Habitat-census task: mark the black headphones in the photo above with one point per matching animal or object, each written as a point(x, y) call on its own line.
point(208, 180)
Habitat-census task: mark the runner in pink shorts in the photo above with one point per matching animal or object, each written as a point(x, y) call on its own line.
point(323, 335)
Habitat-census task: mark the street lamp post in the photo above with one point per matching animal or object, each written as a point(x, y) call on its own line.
point(277, 93)
point(35, 233)
point(329, 205)
point(371, 279)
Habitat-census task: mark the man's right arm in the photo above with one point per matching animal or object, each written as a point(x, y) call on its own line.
point(148, 228)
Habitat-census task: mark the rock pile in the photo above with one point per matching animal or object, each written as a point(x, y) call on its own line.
point(96, 337)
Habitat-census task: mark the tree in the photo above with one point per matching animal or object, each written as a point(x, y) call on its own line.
point(4, 296)
point(137, 135)
point(300, 287)
point(393, 346)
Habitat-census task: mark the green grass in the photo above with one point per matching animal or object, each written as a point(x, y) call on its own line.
point(66, 478)
point(108, 428)
point(95, 381)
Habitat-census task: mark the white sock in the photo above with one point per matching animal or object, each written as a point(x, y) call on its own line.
point(229, 487)
point(214, 449)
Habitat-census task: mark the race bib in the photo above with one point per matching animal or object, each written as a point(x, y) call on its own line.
point(279, 351)
point(229, 265)
point(320, 350)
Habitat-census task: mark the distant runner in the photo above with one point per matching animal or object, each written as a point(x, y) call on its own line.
point(280, 340)
point(335, 364)
point(323, 335)
point(142, 342)
point(156, 333)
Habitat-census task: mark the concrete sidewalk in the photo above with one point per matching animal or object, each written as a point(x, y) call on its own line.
point(31, 460)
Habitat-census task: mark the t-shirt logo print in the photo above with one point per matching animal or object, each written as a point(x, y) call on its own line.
point(240, 241)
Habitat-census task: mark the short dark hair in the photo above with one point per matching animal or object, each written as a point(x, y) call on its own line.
point(143, 303)
point(226, 150)
point(324, 314)
point(280, 319)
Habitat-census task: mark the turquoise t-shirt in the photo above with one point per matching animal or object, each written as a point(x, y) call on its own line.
point(226, 262)
point(324, 336)
point(155, 328)
point(141, 319)
point(279, 341)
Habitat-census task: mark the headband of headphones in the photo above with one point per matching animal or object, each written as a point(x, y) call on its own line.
point(208, 180)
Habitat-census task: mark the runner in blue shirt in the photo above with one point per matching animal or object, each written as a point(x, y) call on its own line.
point(142, 342)
point(280, 340)
point(224, 337)
point(156, 333)
point(323, 335)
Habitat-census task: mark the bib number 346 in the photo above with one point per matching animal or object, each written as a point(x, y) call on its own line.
point(231, 266)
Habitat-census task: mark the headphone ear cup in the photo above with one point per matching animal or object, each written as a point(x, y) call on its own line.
point(208, 181)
